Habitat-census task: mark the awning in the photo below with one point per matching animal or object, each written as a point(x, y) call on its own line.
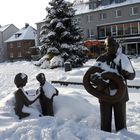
point(130, 40)
point(90, 43)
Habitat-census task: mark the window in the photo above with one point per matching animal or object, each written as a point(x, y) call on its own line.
point(92, 5)
point(19, 54)
point(18, 44)
point(131, 49)
point(134, 27)
point(120, 29)
point(102, 31)
point(29, 43)
point(17, 35)
point(78, 20)
point(90, 33)
point(106, 2)
point(11, 45)
point(139, 27)
point(119, 1)
point(127, 29)
point(89, 18)
point(118, 13)
point(133, 10)
point(114, 30)
point(11, 55)
point(108, 30)
point(103, 16)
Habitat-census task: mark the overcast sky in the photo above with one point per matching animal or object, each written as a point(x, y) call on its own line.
point(19, 12)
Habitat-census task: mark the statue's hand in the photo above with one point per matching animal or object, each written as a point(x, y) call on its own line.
point(98, 80)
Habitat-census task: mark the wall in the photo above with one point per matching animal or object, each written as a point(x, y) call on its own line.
point(19, 47)
point(96, 21)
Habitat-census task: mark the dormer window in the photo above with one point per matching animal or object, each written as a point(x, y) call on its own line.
point(93, 4)
point(106, 2)
point(119, 1)
point(17, 35)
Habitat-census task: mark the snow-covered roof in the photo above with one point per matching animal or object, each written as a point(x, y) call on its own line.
point(26, 33)
point(84, 7)
point(77, 2)
point(3, 28)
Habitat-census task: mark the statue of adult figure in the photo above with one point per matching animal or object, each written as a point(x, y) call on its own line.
point(115, 64)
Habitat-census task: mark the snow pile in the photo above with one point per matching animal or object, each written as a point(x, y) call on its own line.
point(56, 61)
point(77, 114)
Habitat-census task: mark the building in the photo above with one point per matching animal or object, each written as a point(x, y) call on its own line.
point(117, 18)
point(5, 32)
point(19, 44)
point(39, 25)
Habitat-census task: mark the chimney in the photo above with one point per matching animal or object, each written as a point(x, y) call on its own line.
point(26, 25)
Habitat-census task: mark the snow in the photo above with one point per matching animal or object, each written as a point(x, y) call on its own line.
point(26, 33)
point(3, 28)
point(77, 114)
point(60, 25)
point(82, 8)
point(23, 75)
point(125, 63)
point(50, 34)
point(56, 61)
point(49, 87)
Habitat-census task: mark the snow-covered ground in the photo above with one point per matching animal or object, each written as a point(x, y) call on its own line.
point(77, 115)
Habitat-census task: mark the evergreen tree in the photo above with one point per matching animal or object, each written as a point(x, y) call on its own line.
point(61, 35)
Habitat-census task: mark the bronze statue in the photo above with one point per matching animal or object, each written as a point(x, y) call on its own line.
point(107, 76)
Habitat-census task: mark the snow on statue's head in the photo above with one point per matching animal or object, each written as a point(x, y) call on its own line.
point(111, 45)
point(41, 78)
point(20, 80)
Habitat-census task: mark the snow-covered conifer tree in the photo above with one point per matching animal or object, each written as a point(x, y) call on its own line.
point(60, 34)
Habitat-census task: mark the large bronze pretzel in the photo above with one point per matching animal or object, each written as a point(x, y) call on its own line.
point(113, 77)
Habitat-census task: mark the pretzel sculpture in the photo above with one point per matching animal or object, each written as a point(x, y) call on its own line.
point(103, 93)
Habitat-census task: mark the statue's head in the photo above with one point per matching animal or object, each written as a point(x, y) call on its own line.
point(20, 80)
point(111, 45)
point(41, 78)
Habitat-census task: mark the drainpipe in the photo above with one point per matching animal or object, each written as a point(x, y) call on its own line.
point(3, 49)
point(137, 51)
point(2, 46)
